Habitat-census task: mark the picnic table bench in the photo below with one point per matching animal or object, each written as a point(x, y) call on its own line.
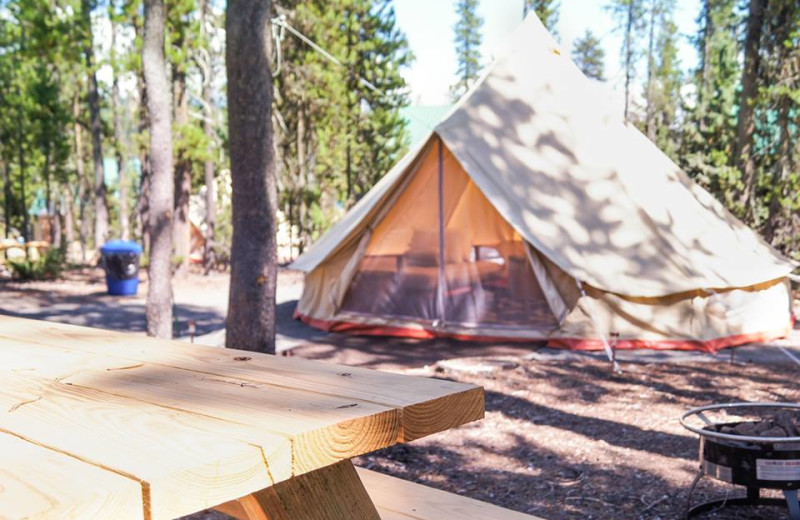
point(103, 425)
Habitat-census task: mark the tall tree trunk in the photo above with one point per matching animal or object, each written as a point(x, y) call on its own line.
point(746, 124)
point(143, 202)
point(55, 227)
point(69, 216)
point(7, 196)
point(650, 120)
point(301, 184)
point(251, 307)
point(183, 175)
point(119, 146)
point(48, 193)
point(83, 192)
point(209, 258)
point(21, 149)
point(96, 128)
point(22, 172)
point(776, 223)
point(705, 66)
point(159, 294)
point(628, 55)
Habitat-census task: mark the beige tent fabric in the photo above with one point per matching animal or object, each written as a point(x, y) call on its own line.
point(481, 279)
point(360, 214)
point(537, 168)
point(694, 317)
point(590, 192)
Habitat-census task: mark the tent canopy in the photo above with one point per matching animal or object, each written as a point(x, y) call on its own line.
point(586, 189)
point(533, 166)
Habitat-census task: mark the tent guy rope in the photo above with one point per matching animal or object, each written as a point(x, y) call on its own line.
point(280, 22)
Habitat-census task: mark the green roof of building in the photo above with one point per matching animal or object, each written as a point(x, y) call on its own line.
point(420, 120)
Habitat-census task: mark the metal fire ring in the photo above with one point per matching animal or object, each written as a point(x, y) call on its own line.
point(698, 412)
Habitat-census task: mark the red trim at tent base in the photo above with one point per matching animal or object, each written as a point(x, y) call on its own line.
point(584, 344)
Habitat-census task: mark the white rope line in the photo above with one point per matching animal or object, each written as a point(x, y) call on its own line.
point(789, 355)
point(280, 21)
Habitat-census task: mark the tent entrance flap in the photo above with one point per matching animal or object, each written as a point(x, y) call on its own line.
point(443, 254)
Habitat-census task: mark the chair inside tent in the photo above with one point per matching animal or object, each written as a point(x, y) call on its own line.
point(443, 254)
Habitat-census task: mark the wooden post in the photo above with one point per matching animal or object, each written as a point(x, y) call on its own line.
point(331, 493)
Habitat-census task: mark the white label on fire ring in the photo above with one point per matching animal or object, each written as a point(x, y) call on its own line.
point(768, 469)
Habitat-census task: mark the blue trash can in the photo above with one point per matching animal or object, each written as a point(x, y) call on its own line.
point(121, 263)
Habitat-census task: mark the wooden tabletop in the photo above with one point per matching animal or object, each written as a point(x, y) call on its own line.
point(100, 424)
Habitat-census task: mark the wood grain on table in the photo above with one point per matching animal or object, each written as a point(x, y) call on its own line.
point(197, 426)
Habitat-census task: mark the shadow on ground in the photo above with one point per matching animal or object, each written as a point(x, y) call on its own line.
point(570, 440)
point(382, 352)
point(102, 311)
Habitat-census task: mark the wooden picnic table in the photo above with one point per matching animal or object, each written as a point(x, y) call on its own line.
point(104, 425)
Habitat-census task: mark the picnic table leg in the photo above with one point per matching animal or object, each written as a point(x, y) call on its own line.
point(330, 493)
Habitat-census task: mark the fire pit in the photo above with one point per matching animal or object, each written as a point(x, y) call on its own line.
point(756, 445)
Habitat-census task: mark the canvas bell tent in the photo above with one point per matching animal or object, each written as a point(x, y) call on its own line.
point(533, 212)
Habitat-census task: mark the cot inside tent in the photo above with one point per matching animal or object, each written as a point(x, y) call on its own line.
point(443, 254)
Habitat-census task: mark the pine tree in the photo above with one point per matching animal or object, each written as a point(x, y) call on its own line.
point(101, 225)
point(468, 41)
point(159, 293)
point(662, 89)
point(589, 56)
point(182, 36)
point(746, 119)
point(545, 10)
point(329, 117)
point(776, 195)
point(708, 135)
point(668, 80)
point(629, 16)
point(250, 323)
point(37, 42)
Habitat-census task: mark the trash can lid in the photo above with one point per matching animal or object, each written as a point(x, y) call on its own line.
point(120, 246)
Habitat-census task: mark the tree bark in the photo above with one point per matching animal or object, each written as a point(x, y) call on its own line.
point(159, 294)
point(777, 221)
point(209, 258)
point(69, 217)
point(21, 152)
point(96, 128)
point(22, 170)
point(55, 227)
point(705, 66)
point(143, 202)
point(651, 73)
point(628, 56)
point(48, 193)
point(183, 176)
point(251, 307)
point(119, 147)
point(746, 123)
point(7, 197)
point(301, 184)
point(83, 192)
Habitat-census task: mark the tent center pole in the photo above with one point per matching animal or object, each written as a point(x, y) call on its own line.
point(440, 285)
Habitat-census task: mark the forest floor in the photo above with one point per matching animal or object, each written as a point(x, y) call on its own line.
point(563, 437)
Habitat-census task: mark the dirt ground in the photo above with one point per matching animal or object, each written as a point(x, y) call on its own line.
point(569, 440)
point(562, 438)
